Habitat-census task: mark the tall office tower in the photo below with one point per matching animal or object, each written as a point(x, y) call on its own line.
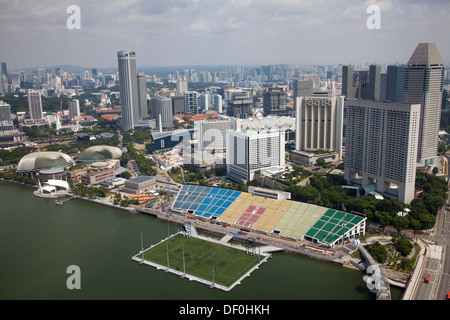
point(319, 123)
point(361, 84)
point(303, 87)
point(182, 86)
point(94, 72)
point(395, 85)
point(74, 108)
point(381, 146)
point(3, 82)
point(191, 102)
point(35, 104)
point(275, 102)
point(205, 101)
point(217, 103)
point(424, 79)
point(178, 104)
point(211, 134)
point(4, 69)
point(128, 89)
point(162, 111)
point(5, 111)
point(251, 150)
point(142, 94)
point(240, 106)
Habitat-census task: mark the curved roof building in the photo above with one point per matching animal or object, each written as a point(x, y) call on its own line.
point(99, 154)
point(44, 160)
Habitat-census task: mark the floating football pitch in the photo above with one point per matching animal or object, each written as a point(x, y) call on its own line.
point(209, 261)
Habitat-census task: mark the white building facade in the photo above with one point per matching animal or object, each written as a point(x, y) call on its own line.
point(381, 146)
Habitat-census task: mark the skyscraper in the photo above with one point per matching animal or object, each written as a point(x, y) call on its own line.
point(319, 123)
point(361, 84)
point(4, 69)
point(381, 146)
point(395, 86)
point(217, 102)
point(35, 104)
point(275, 102)
point(252, 150)
point(424, 78)
point(191, 102)
point(303, 87)
point(162, 111)
point(5, 111)
point(128, 89)
point(142, 94)
point(74, 108)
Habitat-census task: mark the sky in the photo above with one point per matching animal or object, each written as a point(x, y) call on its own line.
point(219, 32)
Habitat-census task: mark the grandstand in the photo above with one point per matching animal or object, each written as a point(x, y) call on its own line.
point(282, 218)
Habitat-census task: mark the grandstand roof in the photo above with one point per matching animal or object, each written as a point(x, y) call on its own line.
point(284, 217)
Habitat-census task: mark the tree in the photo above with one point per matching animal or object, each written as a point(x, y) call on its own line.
point(125, 175)
point(403, 246)
point(320, 162)
point(400, 223)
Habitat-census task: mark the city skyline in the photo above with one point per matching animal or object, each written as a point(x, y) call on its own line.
point(198, 32)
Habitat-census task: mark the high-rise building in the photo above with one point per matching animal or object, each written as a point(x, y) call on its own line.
point(128, 89)
point(319, 123)
point(182, 86)
point(217, 103)
point(381, 146)
point(178, 104)
point(191, 102)
point(211, 134)
point(205, 101)
point(303, 87)
point(35, 104)
point(5, 111)
point(240, 105)
point(4, 69)
point(395, 85)
point(275, 102)
point(250, 151)
point(361, 84)
point(162, 111)
point(424, 79)
point(74, 108)
point(142, 95)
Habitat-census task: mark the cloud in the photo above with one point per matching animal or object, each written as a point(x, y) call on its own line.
point(227, 31)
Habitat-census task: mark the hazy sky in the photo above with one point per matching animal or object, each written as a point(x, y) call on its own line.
point(215, 32)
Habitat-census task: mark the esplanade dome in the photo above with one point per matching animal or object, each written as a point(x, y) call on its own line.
point(44, 160)
point(99, 154)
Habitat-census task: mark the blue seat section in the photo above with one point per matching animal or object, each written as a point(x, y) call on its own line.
point(204, 201)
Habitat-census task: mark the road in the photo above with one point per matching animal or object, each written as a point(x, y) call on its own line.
point(437, 260)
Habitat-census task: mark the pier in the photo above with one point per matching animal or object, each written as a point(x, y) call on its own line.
point(61, 202)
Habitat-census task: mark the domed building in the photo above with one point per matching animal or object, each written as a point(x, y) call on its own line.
point(45, 160)
point(99, 154)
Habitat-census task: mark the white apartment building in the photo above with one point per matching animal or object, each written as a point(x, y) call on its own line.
point(381, 146)
point(211, 134)
point(253, 150)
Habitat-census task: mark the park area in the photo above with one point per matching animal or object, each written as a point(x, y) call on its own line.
point(202, 260)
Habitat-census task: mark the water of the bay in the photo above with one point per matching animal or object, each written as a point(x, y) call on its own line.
point(39, 240)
